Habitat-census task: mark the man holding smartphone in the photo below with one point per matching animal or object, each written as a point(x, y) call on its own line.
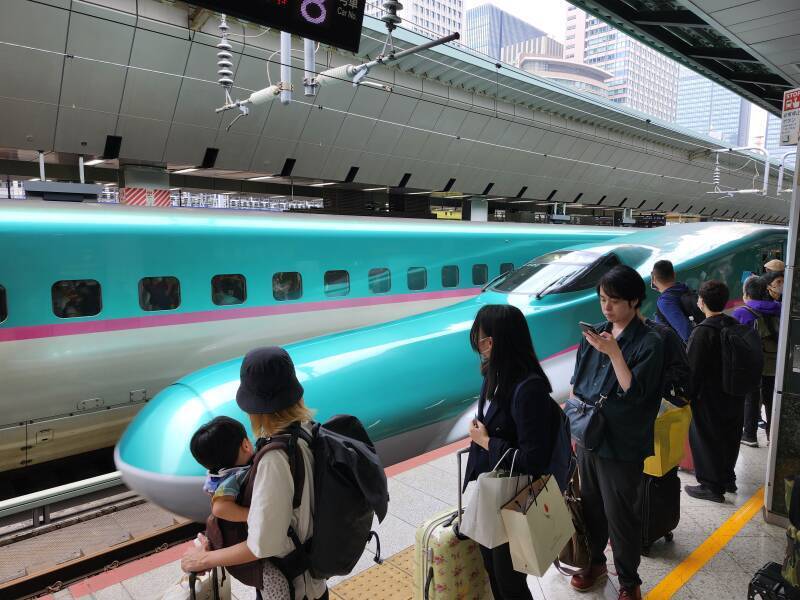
point(619, 360)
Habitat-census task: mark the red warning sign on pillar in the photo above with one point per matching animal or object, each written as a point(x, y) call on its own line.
point(144, 197)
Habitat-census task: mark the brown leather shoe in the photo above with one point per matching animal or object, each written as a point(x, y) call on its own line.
point(630, 594)
point(588, 581)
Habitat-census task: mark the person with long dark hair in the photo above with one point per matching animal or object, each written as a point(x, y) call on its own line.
point(515, 411)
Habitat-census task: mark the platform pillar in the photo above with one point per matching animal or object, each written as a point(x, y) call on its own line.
point(475, 209)
point(784, 448)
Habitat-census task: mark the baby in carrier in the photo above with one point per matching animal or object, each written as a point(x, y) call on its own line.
point(222, 447)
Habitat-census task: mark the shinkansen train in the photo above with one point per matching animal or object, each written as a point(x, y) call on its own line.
point(103, 306)
point(414, 382)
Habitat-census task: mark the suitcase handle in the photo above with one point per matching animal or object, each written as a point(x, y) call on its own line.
point(456, 520)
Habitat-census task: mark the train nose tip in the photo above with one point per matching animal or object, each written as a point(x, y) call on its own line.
point(181, 495)
point(153, 454)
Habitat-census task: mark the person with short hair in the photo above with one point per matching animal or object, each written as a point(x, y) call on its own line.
point(717, 417)
point(621, 361)
point(272, 397)
point(669, 306)
point(222, 447)
point(759, 304)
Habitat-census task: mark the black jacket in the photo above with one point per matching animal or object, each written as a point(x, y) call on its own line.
point(525, 422)
point(705, 358)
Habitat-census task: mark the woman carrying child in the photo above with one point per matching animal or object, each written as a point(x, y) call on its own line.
point(272, 397)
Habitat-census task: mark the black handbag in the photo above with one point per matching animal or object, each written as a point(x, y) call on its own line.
point(587, 422)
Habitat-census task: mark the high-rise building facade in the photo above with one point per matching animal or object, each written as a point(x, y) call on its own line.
point(772, 138)
point(540, 46)
point(431, 18)
point(710, 109)
point(488, 30)
point(641, 78)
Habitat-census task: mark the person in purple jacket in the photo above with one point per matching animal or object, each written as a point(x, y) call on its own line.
point(763, 314)
point(677, 304)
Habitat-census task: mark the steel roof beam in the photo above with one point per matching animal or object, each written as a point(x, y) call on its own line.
point(669, 18)
point(727, 54)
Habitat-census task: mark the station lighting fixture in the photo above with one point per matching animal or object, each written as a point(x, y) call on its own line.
point(323, 184)
point(418, 193)
point(376, 189)
point(182, 171)
point(96, 161)
point(261, 178)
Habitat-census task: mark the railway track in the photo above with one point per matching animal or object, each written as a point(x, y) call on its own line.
point(64, 512)
point(63, 575)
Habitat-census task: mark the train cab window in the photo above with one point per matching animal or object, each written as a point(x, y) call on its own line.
point(380, 281)
point(558, 273)
point(337, 283)
point(480, 274)
point(159, 293)
point(287, 285)
point(506, 267)
point(417, 278)
point(75, 298)
point(450, 276)
point(3, 305)
point(228, 289)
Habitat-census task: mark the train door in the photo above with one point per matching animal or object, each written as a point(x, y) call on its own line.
point(90, 429)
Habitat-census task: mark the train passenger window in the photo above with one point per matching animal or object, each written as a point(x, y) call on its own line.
point(287, 285)
point(337, 283)
point(380, 281)
point(228, 289)
point(159, 293)
point(3, 305)
point(506, 267)
point(76, 298)
point(480, 274)
point(417, 278)
point(450, 276)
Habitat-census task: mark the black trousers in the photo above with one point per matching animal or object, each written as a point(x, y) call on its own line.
point(714, 436)
point(506, 583)
point(609, 491)
point(752, 407)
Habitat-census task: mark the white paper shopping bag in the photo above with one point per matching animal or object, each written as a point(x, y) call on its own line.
point(538, 524)
point(482, 521)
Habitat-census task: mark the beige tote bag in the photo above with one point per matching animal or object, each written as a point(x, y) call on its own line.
point(538, 524)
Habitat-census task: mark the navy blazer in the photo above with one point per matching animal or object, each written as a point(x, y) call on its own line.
point(526, 423)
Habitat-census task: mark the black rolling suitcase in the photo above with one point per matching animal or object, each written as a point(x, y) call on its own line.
point(767, 584)
point(660, 506)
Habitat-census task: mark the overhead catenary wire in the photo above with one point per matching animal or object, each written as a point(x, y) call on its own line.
point(371, 118)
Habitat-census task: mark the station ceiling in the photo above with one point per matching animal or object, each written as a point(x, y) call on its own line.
point(749, 46)
point(76, 71)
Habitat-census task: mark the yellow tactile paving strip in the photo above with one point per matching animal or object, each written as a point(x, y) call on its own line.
point(393, 580)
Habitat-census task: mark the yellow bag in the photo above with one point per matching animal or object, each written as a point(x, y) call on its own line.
point(672, 427)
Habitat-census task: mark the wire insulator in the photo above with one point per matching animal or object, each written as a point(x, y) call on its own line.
point(224, 56)
point(390, 17)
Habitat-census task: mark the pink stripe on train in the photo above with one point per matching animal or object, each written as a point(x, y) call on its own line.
point(221, 314)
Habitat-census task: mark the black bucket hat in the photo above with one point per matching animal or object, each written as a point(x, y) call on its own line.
point(268, 382)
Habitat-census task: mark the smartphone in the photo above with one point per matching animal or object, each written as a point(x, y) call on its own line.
point(587, 327)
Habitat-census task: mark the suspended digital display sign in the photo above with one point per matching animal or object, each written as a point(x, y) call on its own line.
point(333, 22)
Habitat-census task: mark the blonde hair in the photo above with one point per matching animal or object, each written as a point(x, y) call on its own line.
point(265, 425)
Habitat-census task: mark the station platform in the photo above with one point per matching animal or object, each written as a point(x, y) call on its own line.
point(716, 548)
